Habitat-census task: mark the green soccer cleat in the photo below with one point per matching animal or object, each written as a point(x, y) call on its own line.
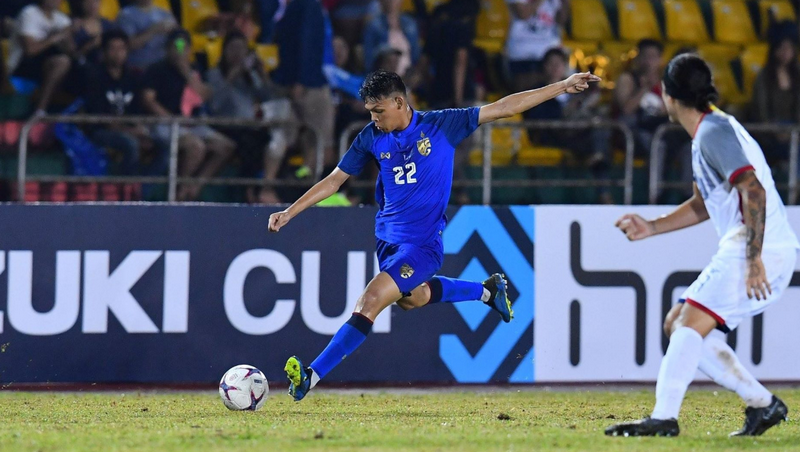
point(299, 378)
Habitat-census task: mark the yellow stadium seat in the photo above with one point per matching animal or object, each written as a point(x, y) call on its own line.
point(193, 14)
point(753, 59)
point(637, 20)
point(493, 20)
point(213, 52)
point(540, 155)
point(618, 56)
point(163, 4)
point(590, 21)
point(65, 7)
point(732, 23)
point(781, 9)
point(109, 9)
point(685, 22)
point(268, 53)
point(719, 58)
point(579, 51)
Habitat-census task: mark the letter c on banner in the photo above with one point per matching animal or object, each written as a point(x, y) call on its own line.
point(233, 292)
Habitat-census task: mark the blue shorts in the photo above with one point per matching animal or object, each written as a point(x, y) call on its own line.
point(410, 265)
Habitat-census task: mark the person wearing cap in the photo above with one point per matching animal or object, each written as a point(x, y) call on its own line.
point(173, 88)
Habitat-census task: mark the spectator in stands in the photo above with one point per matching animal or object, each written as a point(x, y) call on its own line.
point(637, 95)
point(241, 87)
point(89, 28)
point(349, 109)
point(112, 89)
point(637, 103)
point(173, 88)
point(269, 12)
point(349, 17)
point(239, 18)
point(147, 25)
point(590, 145)
point(300, 72)
point(395, 29)
point(41, 48)
point(535, 28)
point(448, 51)
point(776, 93)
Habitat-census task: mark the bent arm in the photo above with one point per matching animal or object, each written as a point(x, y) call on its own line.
point(321, 190)
point(690, 213)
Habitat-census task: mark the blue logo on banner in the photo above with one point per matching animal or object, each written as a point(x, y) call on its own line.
point(480, 368)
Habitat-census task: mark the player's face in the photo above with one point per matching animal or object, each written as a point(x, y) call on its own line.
point(386, 112)
point(669, 103)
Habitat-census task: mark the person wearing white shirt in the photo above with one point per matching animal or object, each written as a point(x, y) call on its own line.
point(535, 28)
point(41, 47)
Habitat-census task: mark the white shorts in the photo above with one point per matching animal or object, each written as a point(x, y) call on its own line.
point(720, 289)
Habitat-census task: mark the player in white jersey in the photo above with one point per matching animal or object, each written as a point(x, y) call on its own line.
point(733, 186)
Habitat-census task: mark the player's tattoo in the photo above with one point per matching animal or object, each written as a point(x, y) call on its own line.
point(755, 213)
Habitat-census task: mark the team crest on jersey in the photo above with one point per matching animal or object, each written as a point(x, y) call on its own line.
point(385, 155)
point(424, 145)
point(406, 271)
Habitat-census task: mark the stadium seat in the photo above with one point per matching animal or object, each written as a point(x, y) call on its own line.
point(590, 21)
point(109, 9)
point(753, 59)
point(193, 14)
point(685, 22)
point(164, 4)
point(493, 20)
point(720, 58)
point(580, 53)
point(268, 54)
point(618, 55)
point(637, 20)
point(65, 7)
point(213, 52)
point(732, 22)
point(781, 9)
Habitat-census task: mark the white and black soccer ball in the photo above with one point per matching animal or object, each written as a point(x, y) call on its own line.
point(243, 387)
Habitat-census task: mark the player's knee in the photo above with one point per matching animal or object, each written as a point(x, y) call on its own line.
point(370, 301)
point(405, 304)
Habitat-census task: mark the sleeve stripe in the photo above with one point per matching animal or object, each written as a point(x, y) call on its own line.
point(739, 172)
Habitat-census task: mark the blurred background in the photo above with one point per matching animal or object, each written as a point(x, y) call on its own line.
point(251, 101)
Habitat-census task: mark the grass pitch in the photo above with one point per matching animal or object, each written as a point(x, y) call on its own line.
point(502, 420)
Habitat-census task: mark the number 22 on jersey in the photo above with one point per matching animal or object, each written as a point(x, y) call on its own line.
point(403, 175)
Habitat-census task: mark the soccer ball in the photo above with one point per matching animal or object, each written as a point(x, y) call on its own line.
point(243, 388)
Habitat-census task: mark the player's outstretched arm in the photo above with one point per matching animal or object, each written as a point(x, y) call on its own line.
point(321, 190)
point(690, 213)
point(517, 103)
point(754, 214)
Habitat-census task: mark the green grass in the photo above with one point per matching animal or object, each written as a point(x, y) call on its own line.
point(464, 421)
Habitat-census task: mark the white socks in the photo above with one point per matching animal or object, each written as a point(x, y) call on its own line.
point(720, 363)
point(314, 379)
point(677, 371)
point(486, 295)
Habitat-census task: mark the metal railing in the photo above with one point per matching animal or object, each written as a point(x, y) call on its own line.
point(172, 180)
point(487, 183)
point(656, 184)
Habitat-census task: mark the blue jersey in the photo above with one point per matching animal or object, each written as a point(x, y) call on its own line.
point(416, 171)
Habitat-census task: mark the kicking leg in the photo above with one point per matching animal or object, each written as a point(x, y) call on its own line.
point(493, 292)
point(381, 292)
point(677, 371)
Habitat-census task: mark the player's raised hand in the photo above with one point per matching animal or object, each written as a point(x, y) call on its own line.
point(757, 282)
point(278, 220)
point(580, 81)
point(635, 227)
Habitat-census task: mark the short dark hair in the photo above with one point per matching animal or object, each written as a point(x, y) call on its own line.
point(645, 43)
point(178, 33)
point(381, 84)
point(114, 34)
point(555, 52)
point(688, 79)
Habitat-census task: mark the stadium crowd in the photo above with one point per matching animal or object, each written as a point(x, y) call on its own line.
point(300, 61)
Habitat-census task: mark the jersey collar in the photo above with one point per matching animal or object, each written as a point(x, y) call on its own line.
point(412, 126)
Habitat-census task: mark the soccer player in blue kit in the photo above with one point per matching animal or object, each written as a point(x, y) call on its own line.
point(414, 151)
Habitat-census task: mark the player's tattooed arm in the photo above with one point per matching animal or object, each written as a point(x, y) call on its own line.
point(754, 211)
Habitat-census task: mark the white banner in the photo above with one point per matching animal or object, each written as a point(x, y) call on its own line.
point(600, 299)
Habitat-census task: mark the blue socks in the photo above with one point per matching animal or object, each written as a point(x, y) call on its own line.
point(344, 342)
point(447, 290)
